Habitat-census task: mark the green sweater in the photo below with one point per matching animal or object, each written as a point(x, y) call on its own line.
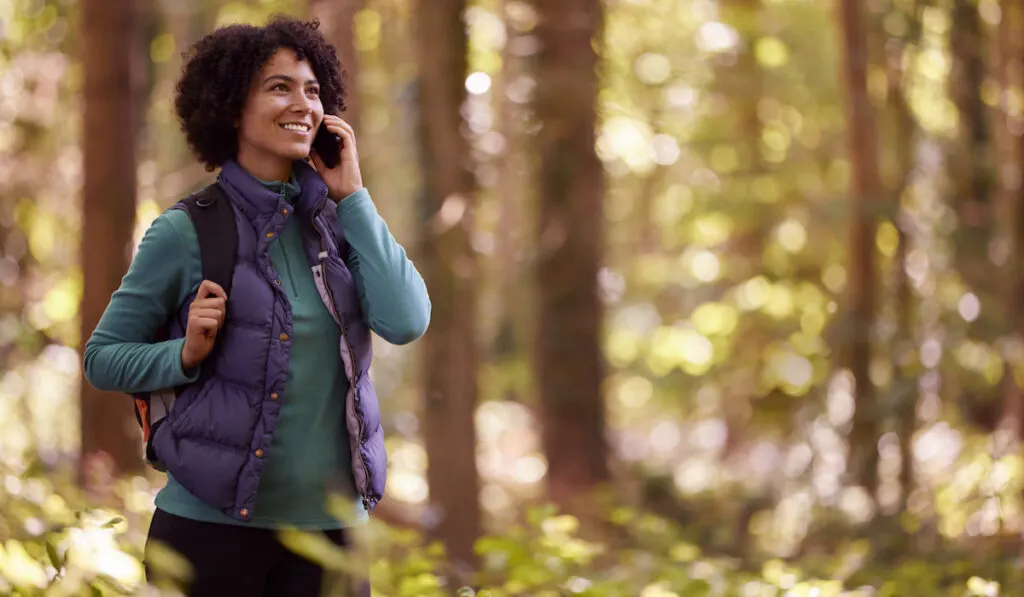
point(309, 456)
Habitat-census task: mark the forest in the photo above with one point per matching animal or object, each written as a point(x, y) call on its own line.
point(710, 310)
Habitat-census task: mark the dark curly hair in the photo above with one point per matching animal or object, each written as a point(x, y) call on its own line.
point(220, 68)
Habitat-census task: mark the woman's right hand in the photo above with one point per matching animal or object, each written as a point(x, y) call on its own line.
point(205, 318)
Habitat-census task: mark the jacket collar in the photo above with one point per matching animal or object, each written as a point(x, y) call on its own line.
point(256, 201)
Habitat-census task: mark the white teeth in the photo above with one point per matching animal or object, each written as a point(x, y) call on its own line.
point(299, 128)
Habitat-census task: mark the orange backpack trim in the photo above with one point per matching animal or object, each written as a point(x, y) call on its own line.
point(143, 407)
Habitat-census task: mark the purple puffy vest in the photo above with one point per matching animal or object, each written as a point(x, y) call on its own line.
point(218, 429)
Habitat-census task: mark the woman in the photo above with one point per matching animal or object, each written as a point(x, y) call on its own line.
point(283, 414)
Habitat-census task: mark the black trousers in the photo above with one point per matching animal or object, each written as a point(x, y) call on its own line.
point(236, 561)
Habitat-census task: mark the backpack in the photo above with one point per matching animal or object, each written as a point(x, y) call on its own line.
point(214, 220)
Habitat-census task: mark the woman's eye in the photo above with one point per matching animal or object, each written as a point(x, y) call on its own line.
point(280, 87)
point(313, 91)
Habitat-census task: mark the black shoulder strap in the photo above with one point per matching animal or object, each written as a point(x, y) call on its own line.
point(214, 219)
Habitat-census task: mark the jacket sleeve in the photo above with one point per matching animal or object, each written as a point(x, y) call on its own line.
point(121, 355)
point(392, 292)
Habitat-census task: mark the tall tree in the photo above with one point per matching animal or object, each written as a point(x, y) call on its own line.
point(971, 160)
point(1009, 203)
point(901, 127)
point(865, 200)
point(741, 79)
point(569, 363)
point(450, 270)
point(512, 189)
point(976, 193)
point(111, 50)
point(337, 20)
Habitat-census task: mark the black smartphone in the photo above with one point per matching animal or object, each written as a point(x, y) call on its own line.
point(327, 146)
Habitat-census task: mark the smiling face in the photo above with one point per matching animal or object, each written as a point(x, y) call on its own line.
point(280, 118)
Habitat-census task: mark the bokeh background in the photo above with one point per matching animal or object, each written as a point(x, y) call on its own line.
point(725, 292)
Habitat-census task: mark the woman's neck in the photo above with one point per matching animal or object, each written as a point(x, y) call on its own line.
point(265, 167)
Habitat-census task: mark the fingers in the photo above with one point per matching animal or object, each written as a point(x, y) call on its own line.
point(348, 139)
point(215, 314)
point(207, 314)
point(210, 288)
point(330, 119)
point(342, 129)
point(212, 302)
point(206, 324)
point(213, 307)
point(205, 318)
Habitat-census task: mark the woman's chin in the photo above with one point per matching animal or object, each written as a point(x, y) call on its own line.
point(298, 152)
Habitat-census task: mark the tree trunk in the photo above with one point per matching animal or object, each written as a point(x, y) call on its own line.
point(450, 269)
point(1009, 206)
point(110, 48)
point(865, 200)
point(742, 82)
point(1009, 224)
point(972, 170)
point(570, 367)
point(513, 191)
point(904, 386)
point(337, 24)
point(1012, 176)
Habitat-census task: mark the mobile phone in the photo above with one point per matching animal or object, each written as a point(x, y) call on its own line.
point(328, 146)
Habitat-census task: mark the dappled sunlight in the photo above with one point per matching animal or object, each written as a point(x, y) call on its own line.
point(33, 413)
point(755, 448)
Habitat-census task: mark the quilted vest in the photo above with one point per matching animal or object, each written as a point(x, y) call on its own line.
point(219, 430)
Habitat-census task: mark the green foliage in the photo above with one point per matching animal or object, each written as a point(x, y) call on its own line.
point(643, 554)
point(724, 143)
point(59, 543)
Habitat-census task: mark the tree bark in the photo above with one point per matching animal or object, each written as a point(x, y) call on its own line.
point(111, 46)
point(972, 168)
point(1009, 206)
point(569, 363)
point(337, 20)
point(451, 271)
point(904, 386)
point(1009, 223)
point(742, 81)
point(865, 201)
point(1012, 177)
point(513, 191)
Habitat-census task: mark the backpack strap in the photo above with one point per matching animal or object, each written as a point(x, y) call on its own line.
point(214, 220)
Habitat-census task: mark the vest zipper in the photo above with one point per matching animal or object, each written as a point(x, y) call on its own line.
point(341, 328)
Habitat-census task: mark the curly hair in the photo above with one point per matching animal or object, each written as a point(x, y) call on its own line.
point(220, 69)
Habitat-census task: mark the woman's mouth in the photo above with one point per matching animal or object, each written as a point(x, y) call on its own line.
point(300, 128)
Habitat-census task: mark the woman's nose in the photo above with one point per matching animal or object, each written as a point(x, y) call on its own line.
point(302, 103)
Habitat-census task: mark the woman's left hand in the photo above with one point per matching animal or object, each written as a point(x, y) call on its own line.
point(345, 178)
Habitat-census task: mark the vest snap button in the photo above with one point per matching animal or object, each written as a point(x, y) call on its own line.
point(284, 337)
point(278, 282)
point(270, 235)
point(284, 211)
point(244, 512)
point(274, 396)
point(259, 453)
